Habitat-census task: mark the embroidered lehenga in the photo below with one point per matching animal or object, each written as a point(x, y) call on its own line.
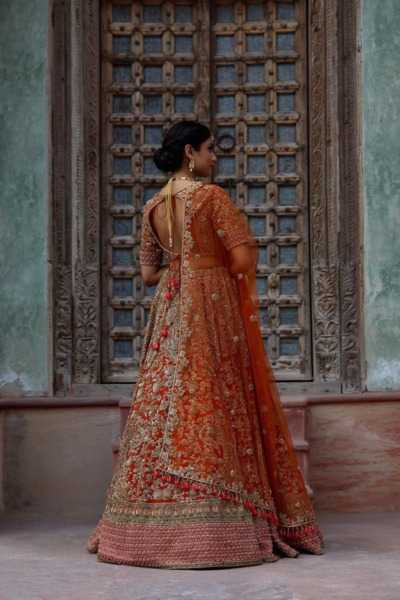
point(206, 473)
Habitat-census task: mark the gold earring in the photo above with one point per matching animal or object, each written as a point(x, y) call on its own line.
point(191, 165)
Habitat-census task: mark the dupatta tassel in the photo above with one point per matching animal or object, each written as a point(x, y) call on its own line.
point(225, 494)
point(296, 531)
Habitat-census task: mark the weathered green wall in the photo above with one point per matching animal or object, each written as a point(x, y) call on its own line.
point(381, 166)
point(23, 197)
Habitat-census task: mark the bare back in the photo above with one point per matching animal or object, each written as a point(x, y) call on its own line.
point(158, 218)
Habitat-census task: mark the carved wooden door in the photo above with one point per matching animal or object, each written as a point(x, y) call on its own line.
point(241, 68)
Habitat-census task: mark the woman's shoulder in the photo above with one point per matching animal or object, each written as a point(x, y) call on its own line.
point(219, 198)
point(213, 188)
point(215, 192)
point(151, 202)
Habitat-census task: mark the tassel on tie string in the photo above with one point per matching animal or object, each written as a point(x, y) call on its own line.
point(169, 211)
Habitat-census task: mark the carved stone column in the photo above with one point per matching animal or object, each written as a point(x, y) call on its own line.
point(324, 190)
point(351, 251)
point(61, 193)
point(85, 198)
point(76, 192)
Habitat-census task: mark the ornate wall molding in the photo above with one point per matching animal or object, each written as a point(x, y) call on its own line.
point(335, 206)
point(75, 82)
point(85, 51)
point(326, 321)
point(350, 214)
point(323, 190)
point(61, 191)
point(335, 202)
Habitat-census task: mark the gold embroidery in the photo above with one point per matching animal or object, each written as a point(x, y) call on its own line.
point(187, 387)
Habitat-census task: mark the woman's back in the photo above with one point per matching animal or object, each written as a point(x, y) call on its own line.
point(216, 225)
point(159, 223)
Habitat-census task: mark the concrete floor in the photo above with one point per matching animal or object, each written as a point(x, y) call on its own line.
point(46, 559)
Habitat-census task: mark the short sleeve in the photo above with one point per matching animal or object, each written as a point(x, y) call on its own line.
point(229, 223)
point(150, 252)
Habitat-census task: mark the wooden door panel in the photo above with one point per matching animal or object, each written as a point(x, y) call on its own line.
point(241, 68)
point(259, 112)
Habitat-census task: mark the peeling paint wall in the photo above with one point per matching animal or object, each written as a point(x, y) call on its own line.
point(23, 198)
point(381, 166)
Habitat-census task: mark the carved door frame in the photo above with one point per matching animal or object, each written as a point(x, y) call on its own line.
point(335, 198)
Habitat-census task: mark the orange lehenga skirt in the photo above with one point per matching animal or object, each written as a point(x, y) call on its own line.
point(191, 487)
point(206, 474)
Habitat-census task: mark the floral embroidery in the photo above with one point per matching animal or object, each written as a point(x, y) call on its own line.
point(190, 448)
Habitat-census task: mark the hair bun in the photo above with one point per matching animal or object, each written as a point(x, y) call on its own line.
point(170, 156)
point(164, 160)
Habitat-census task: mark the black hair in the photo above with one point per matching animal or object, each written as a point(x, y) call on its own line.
point(170, 156)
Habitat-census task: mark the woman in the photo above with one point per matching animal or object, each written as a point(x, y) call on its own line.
point(206, 475)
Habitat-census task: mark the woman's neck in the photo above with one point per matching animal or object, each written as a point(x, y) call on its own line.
point(183, 174)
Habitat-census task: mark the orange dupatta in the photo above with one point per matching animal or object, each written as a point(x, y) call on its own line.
point(290, 495)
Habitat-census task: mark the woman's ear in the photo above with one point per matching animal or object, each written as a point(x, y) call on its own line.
point(188, 151)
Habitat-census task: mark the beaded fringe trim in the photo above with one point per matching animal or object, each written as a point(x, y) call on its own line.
point(185, 483)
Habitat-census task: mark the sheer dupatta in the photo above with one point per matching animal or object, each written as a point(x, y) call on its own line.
point(291, 499)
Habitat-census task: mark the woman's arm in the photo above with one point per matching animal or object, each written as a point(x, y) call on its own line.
point(242, 259)
point(151, 274)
